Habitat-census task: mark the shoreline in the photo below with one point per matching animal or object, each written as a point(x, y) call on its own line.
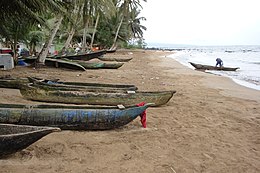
point(210, 125)
point(243, 76)
point(229, 87)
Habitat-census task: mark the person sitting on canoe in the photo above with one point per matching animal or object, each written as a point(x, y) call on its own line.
point(219, 62)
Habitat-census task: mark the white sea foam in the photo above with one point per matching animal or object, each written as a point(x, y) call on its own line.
point(247, 58)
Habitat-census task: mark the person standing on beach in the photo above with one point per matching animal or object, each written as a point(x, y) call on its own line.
point(219, 62)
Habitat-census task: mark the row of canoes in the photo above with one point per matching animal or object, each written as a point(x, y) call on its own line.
point(81, 61)
point(21, 125)
point(95, 94)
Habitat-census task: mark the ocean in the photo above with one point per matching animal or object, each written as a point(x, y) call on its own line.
point(247, 58)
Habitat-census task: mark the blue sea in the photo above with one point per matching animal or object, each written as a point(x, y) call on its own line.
point(247, 58)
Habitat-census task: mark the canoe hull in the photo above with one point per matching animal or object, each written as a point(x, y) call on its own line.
point(96, 98)
point(82, 56)
point(208, 67)
point(58, 63)
point(17, 83)
point(70, 117)
point(14, 138)
point(117, 59)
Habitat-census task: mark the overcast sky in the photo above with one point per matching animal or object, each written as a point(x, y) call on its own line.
point(202, 22)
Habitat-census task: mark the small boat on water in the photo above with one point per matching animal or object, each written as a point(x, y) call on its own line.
point(35, 93)
point(14, 138)
point(70, 117)
point(208, 67)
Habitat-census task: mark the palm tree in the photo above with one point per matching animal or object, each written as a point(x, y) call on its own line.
point(125, 7)
point(90, 9)
point(106, 12)
point(59, 15)
point(135, 24)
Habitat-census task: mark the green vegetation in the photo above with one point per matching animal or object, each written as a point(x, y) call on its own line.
point(64, 23)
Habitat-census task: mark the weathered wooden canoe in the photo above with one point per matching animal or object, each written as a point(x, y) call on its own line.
point(208, 67)
point(115, 58)
point(82, 56)
point(58, 63)
point(16, 83)
point(70, 117)
point(111, 50)
point(98, 65)
point(82, 86)
point(113, 65)
point(14, 138)
point(95, 98)
point(53, 86)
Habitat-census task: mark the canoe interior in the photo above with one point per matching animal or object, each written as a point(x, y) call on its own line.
point(14, 138)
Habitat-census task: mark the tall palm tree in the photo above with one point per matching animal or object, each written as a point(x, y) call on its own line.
point(106, 11)
point(125, 7)
point(59, 15)
point(90, 9)
point(135, 24)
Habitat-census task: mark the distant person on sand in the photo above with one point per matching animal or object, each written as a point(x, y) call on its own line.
point(219, 62)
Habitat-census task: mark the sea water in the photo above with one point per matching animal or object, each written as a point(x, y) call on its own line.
point(247, 58)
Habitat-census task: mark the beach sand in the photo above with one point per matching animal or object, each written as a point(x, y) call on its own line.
point(210, 125)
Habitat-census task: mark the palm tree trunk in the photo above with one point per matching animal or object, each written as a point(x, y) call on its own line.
point(71, 34)
point(95, 29)
point(117, 32)
point(85, 36)
point(44, 52)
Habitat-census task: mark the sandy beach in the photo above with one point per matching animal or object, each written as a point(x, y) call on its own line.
point(210, 125)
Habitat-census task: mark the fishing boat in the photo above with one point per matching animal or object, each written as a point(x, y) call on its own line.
point(58, 63)
point(115, 58)
point(16, 83)
point(98, 64)
point(87, 86)
point(81, 56)
point(31, 92)
point(14, 138)
point(208, 67)
point(113, 50)
point(70, 117)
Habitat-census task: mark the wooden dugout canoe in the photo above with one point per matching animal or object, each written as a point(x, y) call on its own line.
point(208, 67)
point(16, 83)
point(82, 86)
point(114, 58)
point(95, 98)
point(50, 87)
point(57, 63)
point(14, 138)
point(81, 56)
point(70, 117)
point(98, 65)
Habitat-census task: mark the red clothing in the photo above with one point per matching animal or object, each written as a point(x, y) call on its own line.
point(143, 115)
